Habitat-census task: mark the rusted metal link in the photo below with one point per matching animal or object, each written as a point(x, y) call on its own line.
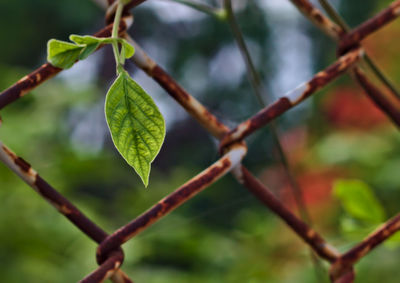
point(348, 259)
point(148, 65)
point(348, 276)
point(106, 269)
point(353, 38)
point(311, 237)
point(318, 18)
point(292, 98)
point(187, 101)
point(27, 83)
point(119, 276)
point(380, 98)
point(172, 201)
point(24, 170)
point(47, 71)
point(389, 105)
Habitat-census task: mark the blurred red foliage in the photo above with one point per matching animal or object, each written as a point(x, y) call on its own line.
point(346, 107)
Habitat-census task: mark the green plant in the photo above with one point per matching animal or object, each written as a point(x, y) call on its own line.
point(136, 124)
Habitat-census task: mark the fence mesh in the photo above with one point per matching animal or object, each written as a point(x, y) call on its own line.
point(232, 147)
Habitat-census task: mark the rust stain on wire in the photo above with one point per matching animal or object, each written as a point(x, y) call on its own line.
point(318, 18)
point(292, 98)
point(106, 269)
point(386, 230)
point(311, 237)
point(345, 276)
point(378, 97)
point(63, 205)
point(389, 107)
point(353, 38)
point(172, 201)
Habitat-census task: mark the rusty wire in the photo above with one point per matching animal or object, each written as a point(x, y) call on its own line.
point(232, 147)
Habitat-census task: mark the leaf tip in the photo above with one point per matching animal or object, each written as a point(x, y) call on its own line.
point(144, 176)
point(73, 37)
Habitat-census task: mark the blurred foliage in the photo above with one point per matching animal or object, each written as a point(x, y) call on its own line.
point(359, 201)
point(364, 212)
point(224, 234)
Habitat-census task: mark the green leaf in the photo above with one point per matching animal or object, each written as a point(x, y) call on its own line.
point(63, 54)
point(91, 42)
point(354, 229)
point(94, 42)
point(89, 49)
point(88, 39)
point(359, 201)
point(128, 49)
point(136, 125)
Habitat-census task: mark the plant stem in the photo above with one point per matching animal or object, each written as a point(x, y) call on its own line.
point(255, 81)
point(330, 10)
point(215, 12)
point(252, 72)
point(114, 34)
point(256, 84)
point(379, 74)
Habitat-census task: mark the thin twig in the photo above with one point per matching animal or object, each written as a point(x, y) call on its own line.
point(255, 81)
point(330, 10)
point(314, 240)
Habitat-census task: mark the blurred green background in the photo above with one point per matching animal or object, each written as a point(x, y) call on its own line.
point(344, 152)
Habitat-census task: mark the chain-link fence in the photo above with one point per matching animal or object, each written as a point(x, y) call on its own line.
point(232, 147)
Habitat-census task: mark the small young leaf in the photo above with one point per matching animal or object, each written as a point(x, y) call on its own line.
point(359, 200)
point(89, 49)
point(91, 42)
point(94, 42)
point(128, 49)
point(83, 39)
point(87, 39)
point(63, 54)
point(136, 125)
